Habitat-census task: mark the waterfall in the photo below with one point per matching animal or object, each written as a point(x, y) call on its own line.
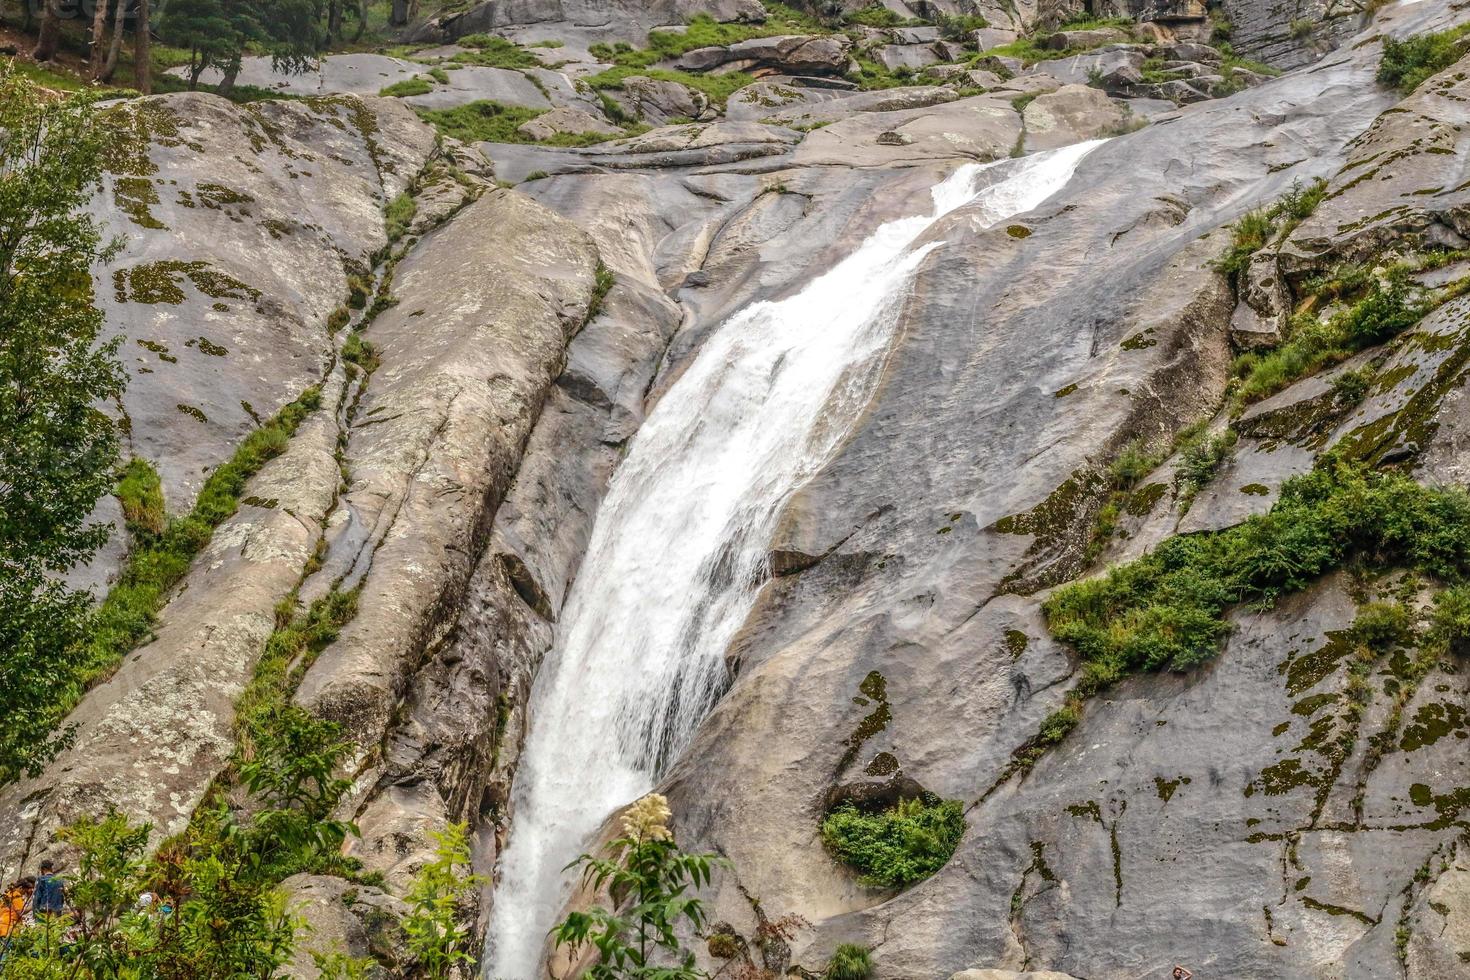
point(678, 551)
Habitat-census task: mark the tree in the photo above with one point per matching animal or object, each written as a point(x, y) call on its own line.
point(50, 33)
point(58, 451)
point(646, 875)
point(217, 33)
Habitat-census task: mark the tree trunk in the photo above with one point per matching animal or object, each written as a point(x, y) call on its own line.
point(96, 52)
point(362, 16)
point(119, 28)
point(334, 21)
point(227, 81)
point(399, 17)
point(197, 64)
point(50, 32)
point(142, 51)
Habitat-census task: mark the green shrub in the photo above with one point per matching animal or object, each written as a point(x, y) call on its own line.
point(1312, 344)
point(878, 16)
point(495, 122)
point(1351, 387)
point(1199, 463)
point(1407, 63)
point(1451, 617)
point(849, 962)
point(1165, 611)
point(896, 847)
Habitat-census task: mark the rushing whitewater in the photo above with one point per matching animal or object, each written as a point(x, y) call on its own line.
point(679, 548)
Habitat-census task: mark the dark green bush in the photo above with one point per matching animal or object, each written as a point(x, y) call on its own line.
point(1166, 609)
point(1409, 62)
point(895, 847)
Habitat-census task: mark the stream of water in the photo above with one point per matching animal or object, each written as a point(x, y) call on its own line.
point(679, 548)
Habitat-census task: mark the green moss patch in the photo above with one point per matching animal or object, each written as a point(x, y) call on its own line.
point(159, 282)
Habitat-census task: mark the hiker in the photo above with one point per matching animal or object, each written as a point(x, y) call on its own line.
point(1180, 973)
point(14, 906)
point(50, 895)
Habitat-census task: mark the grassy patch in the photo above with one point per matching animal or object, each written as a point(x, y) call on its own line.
point(1165, 611)
point(896, 847)
point(1407, 63)
point(494, 52)
point(495, 122)
point(417, 85)
point(718, 88)
point(158, 561)
point(879, 16)
point(291, 649)
point(398, 215)
point(140, 492)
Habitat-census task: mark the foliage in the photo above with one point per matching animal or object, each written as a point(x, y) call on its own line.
point(1351, 387)
point(1198, 464)
point(1407, 63)
point(878, 16)
point(140, 492)
point(218, 33)
point(1311, 343)
point(216, 914)
point(718, 88)
point(337, 965)
point(849, 962)
point(959, 27)
point(896, 847)
point(438, 937)
point(494, 52)
point(57, 450)
point(650, 879)
point(1256, 228)
point(602, 284)
point(1166, 609)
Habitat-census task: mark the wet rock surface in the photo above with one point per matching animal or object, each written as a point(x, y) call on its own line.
point(1213, 817)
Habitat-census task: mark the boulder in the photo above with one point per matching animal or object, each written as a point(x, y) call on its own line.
point(914, 35)
point(1116, 67)
point(979, 78)
point(565, 120)
point(1069, 115)
point(339, 917)
point(1091, 38)
point(1192, 51)
point(992, 37)
point(910, 56)
point(661, 102)
point(791, 53)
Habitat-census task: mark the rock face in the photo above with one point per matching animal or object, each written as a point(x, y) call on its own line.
point(486, 307)
point(1240, 818)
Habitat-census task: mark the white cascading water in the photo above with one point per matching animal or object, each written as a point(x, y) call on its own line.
point(679, 548)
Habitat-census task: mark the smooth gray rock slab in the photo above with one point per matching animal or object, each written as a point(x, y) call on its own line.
point(473, 83)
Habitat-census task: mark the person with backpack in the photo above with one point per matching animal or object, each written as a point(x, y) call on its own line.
point(50, 895)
